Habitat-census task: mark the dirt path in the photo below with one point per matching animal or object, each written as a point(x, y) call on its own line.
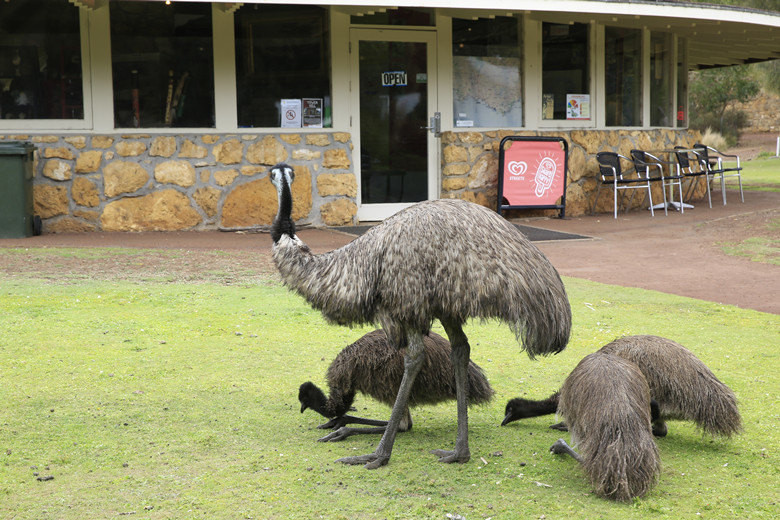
point(678, 254)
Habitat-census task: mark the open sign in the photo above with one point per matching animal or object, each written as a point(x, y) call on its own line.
point(395, 78)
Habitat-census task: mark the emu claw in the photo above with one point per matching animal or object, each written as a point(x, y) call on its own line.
point(560, 447)
point(371, 461)
point(338, 435)
point(561, 426)
point(450, 456)
point(336, 422)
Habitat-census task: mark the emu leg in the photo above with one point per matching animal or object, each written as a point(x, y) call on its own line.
point(561, 448)
point(460, 363)
point(413, 361)
point(658, 423)
point(344, 431)
point(561, 426)
point(338, 422)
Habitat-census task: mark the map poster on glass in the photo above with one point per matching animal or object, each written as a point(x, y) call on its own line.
point(578, 106)
point(312, 112)
point(291, 113)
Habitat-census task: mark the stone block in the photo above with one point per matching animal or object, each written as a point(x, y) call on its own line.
point(130, 148)
point(89, 161)
point(305, 154)
point(453, 153)
point(339, 212)
point(123, 177)
point(229, 152)
point(225, 177)
point(166, 210)
point(50, 201)
point(454, 183)
point(58, 152)
point(76, 141)
point(317, 139)
point(209, 139)
point(68, 225)
point(342, 137)
point(269, 151)
point(102, 141)
point(163, 146)
point(470, 137)
point(329, 184)
point(85, 193)
point(181, 173)
point(484, 173)
point(291, 138)
point(38, 138)
point(208, 199)
point(336, 159)
point(456, 169)
point(192, 150)
point(57, 170)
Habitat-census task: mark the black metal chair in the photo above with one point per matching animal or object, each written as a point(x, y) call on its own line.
point(612, 174)
point(692, 168)
point(712, 159)
point(649, 163)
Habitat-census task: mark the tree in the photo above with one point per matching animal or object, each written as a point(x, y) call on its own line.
point(714, 92)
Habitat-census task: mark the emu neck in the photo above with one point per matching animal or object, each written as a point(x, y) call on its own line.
point(283, 223)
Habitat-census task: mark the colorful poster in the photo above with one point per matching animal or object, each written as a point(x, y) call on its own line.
point(312, 112)
point(534, 173)
point(578, 106)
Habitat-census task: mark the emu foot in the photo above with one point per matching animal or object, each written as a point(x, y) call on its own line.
point(560, 447)
point(338, 435)
point(370, 461)
point(561, 426)
point(659, 429)
point(336, 422)
point(450, 456)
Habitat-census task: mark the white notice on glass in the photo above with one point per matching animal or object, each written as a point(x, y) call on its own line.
point(291, 113)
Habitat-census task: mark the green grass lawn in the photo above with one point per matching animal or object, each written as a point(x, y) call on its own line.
point(762, 173)
point(175, 400)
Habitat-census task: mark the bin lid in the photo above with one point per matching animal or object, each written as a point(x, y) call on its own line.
point(16, 147)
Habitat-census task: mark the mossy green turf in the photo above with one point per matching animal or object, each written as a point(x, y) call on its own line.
point(180, 401)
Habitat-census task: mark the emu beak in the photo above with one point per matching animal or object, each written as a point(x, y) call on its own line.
point(508, 419)
point(303, 407)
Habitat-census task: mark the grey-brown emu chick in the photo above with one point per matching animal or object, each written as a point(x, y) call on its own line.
point(374, 367)
point(681, 385)
point(606, 403)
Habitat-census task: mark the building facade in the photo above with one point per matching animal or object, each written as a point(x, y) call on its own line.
point(151, 115)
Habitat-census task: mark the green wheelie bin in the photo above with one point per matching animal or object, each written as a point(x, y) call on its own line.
point(16, 192)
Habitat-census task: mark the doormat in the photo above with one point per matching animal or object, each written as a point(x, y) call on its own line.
point(534, 234)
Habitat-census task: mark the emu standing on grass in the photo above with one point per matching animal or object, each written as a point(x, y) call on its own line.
point(606, 404)
point(449, 260)
point(373, 367)
point(682, 386)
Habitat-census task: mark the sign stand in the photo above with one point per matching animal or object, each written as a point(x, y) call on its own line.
point(532, 173)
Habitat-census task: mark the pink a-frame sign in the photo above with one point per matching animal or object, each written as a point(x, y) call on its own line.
point(532, 173)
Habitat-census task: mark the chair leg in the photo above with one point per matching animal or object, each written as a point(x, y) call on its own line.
point(666, 203)
point(741, 194)
point(650, 196)
point(723, 187)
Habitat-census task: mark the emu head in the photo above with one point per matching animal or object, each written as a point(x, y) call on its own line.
point(280, 172)
point(311, 397)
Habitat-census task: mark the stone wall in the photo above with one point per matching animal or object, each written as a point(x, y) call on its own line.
point(144, 182)
point(470, 164)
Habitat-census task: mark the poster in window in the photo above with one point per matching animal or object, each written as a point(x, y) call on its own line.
point(312, 112)
point(577, 106)
point(548, 106)
point(291, 113)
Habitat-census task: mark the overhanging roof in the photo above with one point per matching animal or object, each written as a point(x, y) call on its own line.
point(717, 35)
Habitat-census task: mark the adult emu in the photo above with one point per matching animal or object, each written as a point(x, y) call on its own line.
point(682, 386)
point(375, 368)
point(606, 403)
point(444, 259)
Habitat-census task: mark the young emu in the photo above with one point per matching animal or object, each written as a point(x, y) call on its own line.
point(375, 368)
point(606, 403)
point(446, 260)
point(682, 386)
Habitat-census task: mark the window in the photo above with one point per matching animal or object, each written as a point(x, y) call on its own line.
point(40, 61)
point(282, 55)
point(623, 82)
point(487, 72)
point(682, 85)
point(661, 94)
point(420, 16)
point(565, 71)
point(162, 60)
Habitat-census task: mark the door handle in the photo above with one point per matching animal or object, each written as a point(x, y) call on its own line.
point(435, 124)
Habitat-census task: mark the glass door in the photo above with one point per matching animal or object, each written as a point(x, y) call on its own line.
point(393, 91)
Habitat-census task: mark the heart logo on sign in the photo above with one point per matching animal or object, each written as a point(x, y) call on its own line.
point(517, 167)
